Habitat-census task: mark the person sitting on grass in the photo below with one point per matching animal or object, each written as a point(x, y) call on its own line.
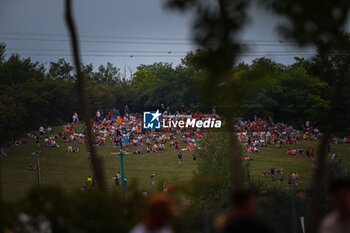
point(49, 129)
point(135, 142)
point(76, 148)
point(85, 187)
point(125, 181)
point(139, 150)
point(300, 151)
point(155, 148)
point(46, 142)
point(30, 167)
point(246, 158)
point(161, 146)
point(3, 153)
point(53, 143)
point(100, 141)
point(94, 182)
point(64, 138)
point(148, 149)
point(334, 156)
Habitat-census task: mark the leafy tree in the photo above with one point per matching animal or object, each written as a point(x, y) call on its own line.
point(61, 70)
point(16, 70)
point(107, 75)
point(2, 52)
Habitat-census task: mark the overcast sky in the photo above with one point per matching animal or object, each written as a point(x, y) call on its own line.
point(122, 25)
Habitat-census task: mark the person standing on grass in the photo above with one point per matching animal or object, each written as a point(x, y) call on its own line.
point(165, 187)
point(194, 158)
point(41, 131)
point(179, 156)
point(334, 156)
point(293, 178)
point(177, 145)
point(339, 159)
point(75, 118)
point(117, 178)
point(308, 152)
point(153, 177)
point(281, 176)
point(89, 157)
point(272, 172)
point(37, 140)
point(126, 110)
point(296, 178)
point(289, 179)
point(98, 114)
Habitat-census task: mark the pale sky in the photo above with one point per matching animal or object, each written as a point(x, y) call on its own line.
point(126, 33)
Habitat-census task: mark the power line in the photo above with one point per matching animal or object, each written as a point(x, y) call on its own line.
point(140, 42)
point(98, 50)
point(145, 51)
point(99, 55)
point(99, 41)
point(155, 53)
point(96, 36)
point(130, 37)
point(156, 56)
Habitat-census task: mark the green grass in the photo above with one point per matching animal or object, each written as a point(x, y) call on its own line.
point(70, 170)
point(276, 157)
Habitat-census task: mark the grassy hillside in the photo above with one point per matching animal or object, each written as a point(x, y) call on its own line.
point(70, 170)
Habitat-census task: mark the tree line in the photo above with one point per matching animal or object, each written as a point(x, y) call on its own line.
point(33, 95)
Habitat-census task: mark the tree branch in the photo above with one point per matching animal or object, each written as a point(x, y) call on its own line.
point(96, 161)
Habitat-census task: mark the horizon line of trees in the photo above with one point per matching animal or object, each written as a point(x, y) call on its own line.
point(32, 96)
